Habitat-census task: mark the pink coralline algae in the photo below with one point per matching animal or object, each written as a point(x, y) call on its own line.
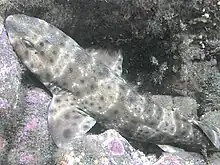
point(25, 158)
point(116, 147)
point(31, 124)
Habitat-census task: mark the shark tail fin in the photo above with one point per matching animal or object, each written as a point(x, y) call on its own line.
point(212, 132)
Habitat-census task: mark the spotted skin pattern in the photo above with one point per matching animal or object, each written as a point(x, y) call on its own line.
point(87, 88)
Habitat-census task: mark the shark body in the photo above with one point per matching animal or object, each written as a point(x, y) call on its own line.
point(87, 88)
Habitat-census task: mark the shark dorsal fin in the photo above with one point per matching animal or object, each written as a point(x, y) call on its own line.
point(113, 59)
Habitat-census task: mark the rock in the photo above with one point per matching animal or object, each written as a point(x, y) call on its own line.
point(10, 74)
point(107, 148)
point(179, 156)
point(214, 159)
point(3, 148)
point(199, 78)
point(111, 148)
point(32, 143)
point(10, 83)
point(212, 118)
point(186, 106)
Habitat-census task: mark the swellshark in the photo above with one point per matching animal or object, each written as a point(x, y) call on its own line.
point(87, 88)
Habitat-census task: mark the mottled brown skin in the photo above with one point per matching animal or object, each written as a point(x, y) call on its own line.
point(87, 83)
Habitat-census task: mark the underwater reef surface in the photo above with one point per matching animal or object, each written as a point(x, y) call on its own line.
point(169, 48)
point(25, 138)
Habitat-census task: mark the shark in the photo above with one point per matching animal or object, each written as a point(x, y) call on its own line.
point(87, 88)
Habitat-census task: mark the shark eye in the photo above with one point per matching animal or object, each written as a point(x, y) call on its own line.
point(28, 44)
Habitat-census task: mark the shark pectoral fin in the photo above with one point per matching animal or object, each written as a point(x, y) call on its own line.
point(113, 59)
point(212, 132)
point(66, 121)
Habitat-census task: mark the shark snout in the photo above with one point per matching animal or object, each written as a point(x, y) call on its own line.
point(10, 24)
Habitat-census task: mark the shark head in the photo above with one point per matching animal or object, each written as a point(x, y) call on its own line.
point(38, 45)
point(30, 47)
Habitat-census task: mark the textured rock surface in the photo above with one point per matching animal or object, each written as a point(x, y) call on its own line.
point(214, 159)
point(111, 148)
point(182, 158)
point(10, 74)
point(106, 148)
point(32, 143)
point(10, 83)
point(212, 118)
